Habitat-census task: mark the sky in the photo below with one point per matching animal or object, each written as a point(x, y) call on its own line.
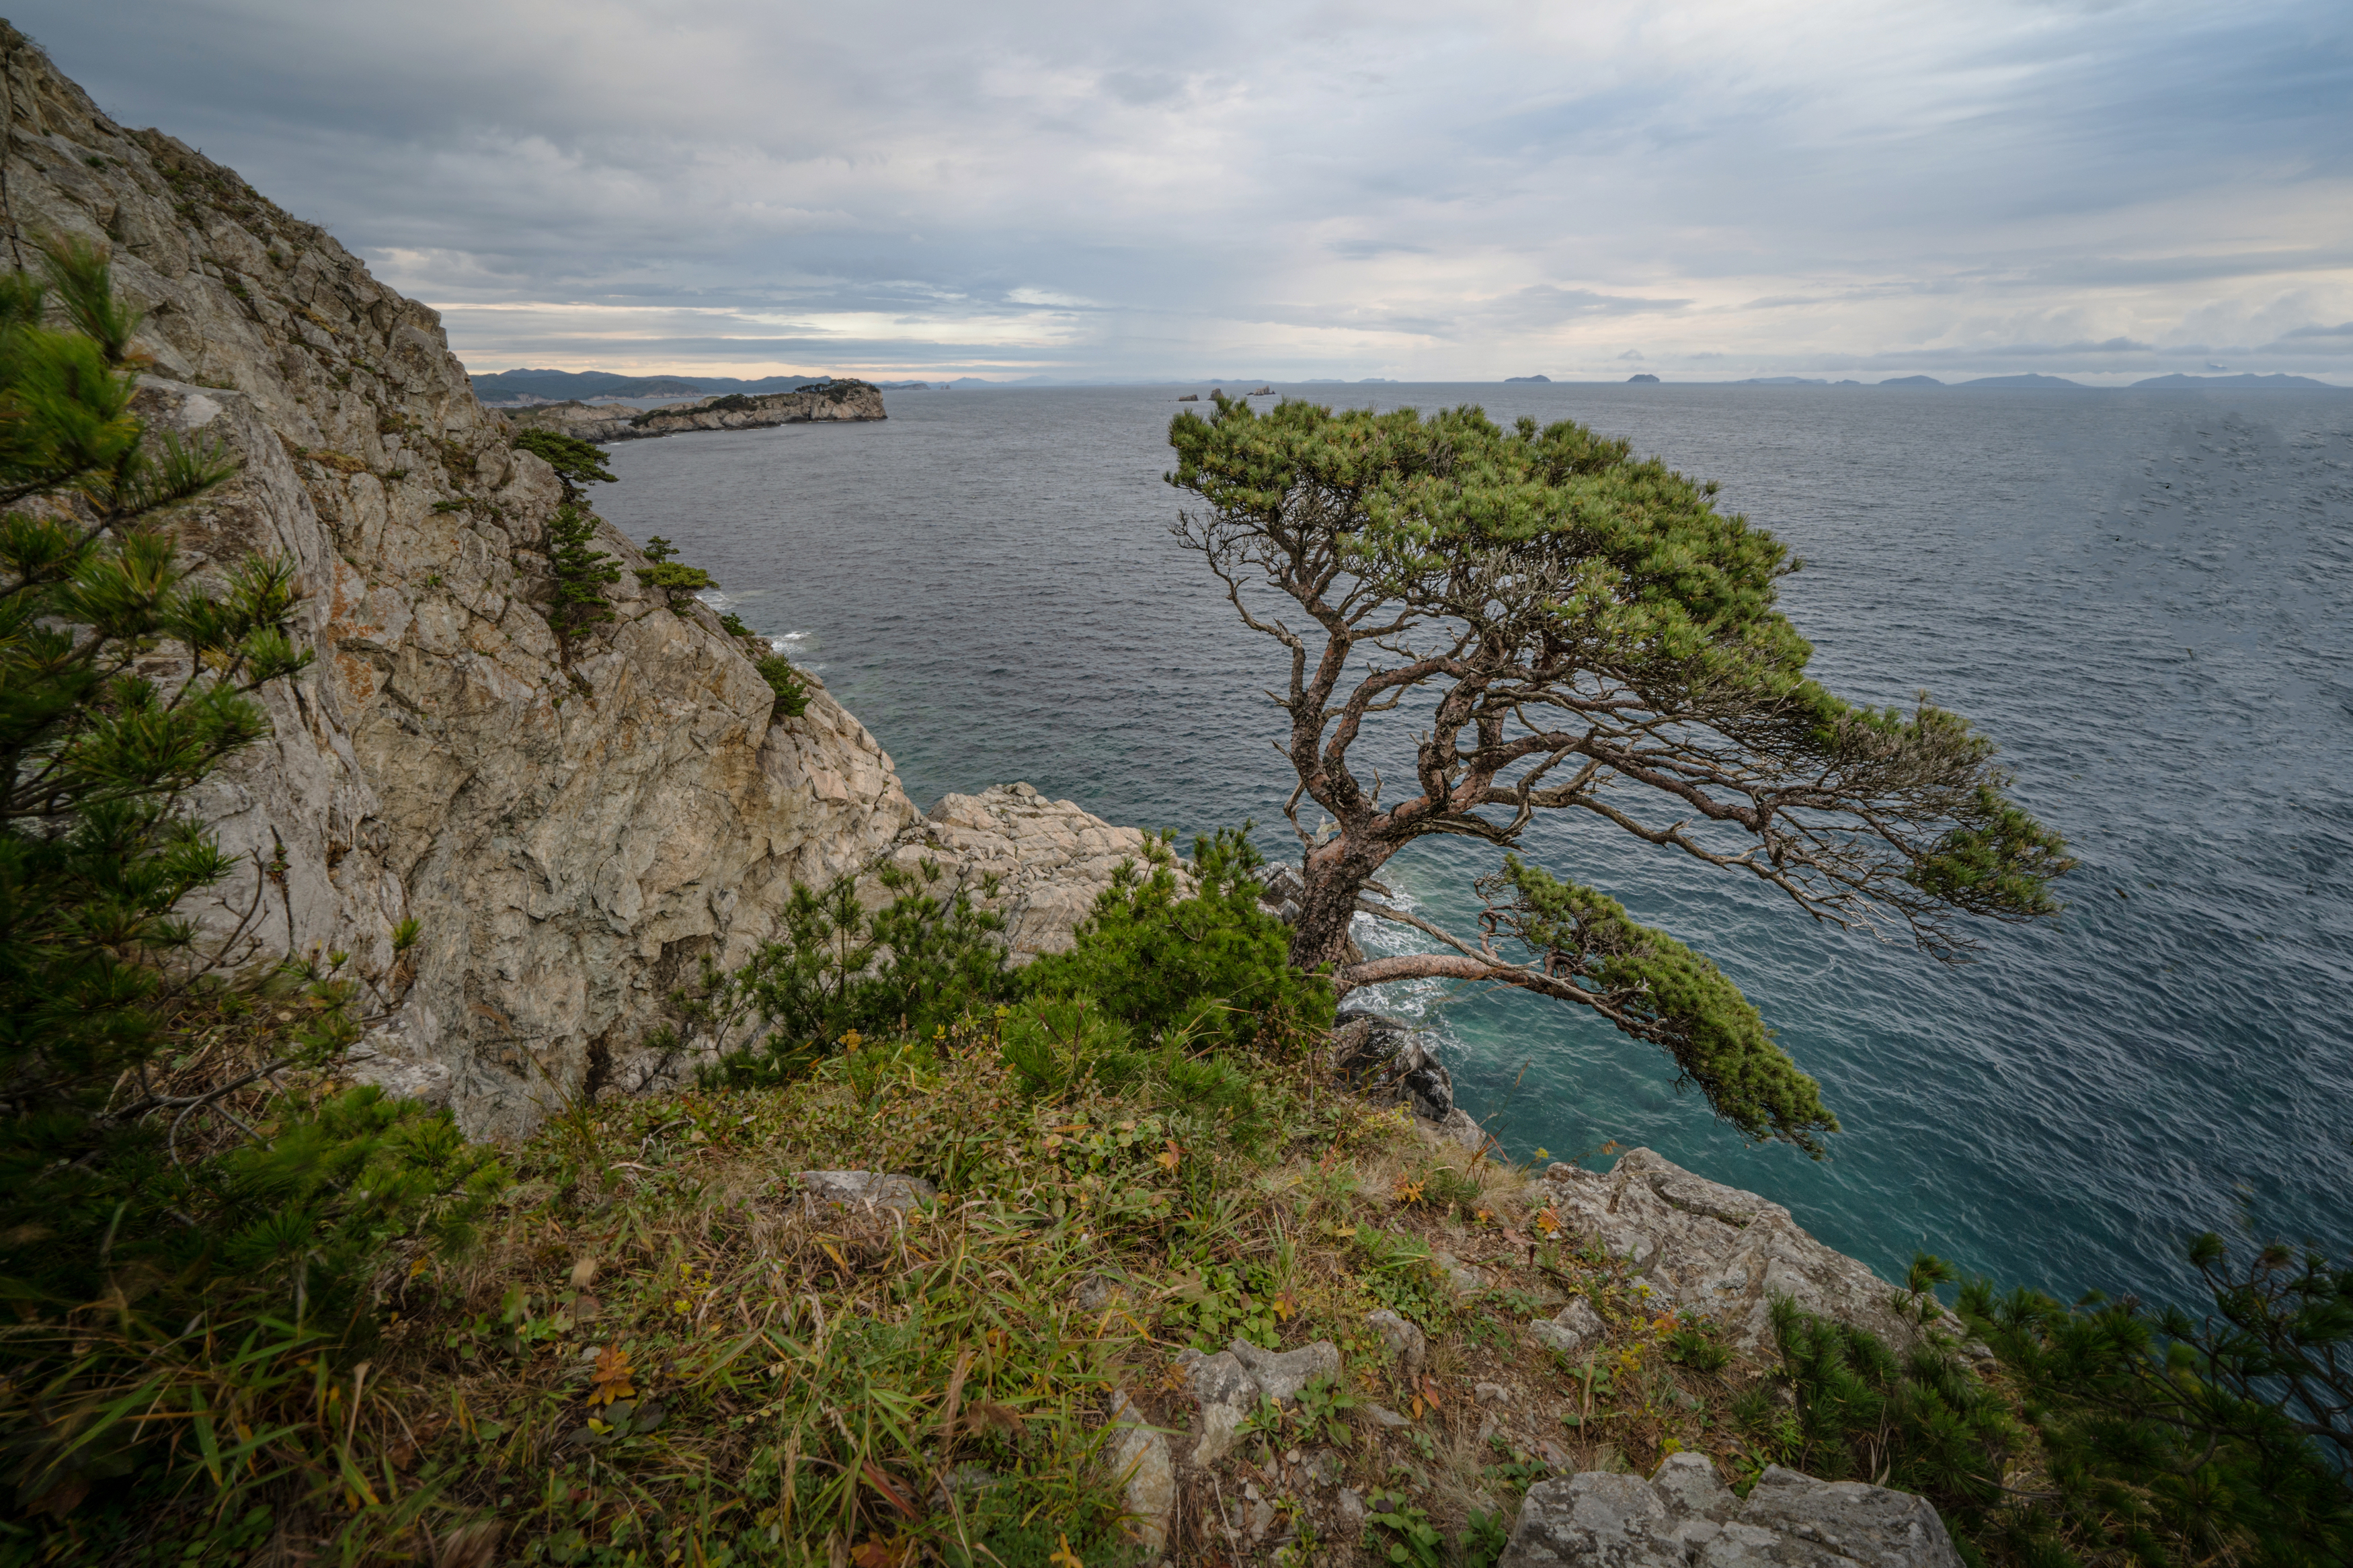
point(2101, 189)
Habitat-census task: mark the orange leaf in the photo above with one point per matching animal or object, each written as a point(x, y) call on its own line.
point(1066, 1558)
point(1168, 1158)
point(612, 1377)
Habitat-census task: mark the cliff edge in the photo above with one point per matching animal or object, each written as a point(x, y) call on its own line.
point(572, 835)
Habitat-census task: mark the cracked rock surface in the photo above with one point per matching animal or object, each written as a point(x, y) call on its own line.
point(1717, 1250)
point(1684, 1517)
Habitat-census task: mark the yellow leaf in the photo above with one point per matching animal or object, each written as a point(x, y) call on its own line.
point(1066, 1558)
point(1168, 1158)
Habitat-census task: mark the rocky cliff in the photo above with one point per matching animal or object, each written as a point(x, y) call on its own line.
point(835, 401)
point(573, 834)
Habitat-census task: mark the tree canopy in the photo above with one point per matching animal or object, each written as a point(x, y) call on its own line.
point(1572, 627)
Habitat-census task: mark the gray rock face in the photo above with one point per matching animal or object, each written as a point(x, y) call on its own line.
point(1406, 1341)
point(1230, 1385)
point(1718, 1250)
point(572, 835)
point(1684, 1517)
point(1593, 1520)
point(1281, 1376)
point(1227, 1394)
point(1385, 1061)
point(1050, 859)
point(1572, 1331)
point(862, 1191)
point(1138, 1454)
point(1826, 1524)
point(619, 421)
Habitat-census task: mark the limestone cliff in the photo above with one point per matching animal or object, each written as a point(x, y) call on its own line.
point(610, 421)
point(573, 835)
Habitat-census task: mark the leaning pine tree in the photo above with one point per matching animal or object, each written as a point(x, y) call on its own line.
point(1574, 629)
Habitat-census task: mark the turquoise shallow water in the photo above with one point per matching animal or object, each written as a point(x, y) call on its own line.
point(2146, 598)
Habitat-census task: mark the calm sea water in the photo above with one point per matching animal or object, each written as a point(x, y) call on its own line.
point(2146, 598)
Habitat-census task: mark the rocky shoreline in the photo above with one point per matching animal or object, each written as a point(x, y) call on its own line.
point(837, 400)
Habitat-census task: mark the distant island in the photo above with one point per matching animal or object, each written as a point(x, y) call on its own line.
point(2179, 382)
point(2029, 379)
point(1912, 381)
point(1509, 379)
point(1641, 378)
point(563, 385)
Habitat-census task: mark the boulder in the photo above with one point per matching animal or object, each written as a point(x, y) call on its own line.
point(1701, 1245)
point(837, 1192)
point(1572, 1331)
point(1405, 1341)
point(1049, 859)
point(1826, 1524)
point(1139, 1457)
point(1228, 1396)
point(1281, 1376)
point(1595, 1519)
point(1685, 1517)
point(1385, 1060)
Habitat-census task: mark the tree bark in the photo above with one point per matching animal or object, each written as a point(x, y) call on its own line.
point(1333, 875)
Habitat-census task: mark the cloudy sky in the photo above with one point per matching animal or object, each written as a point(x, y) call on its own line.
point(2107, 189)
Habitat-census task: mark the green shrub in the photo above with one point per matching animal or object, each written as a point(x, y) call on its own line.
point(910, 968)
point(1211, 968)
point(2226, 1437)
point(672, 579)
point(792, 696)
point(188, 1242)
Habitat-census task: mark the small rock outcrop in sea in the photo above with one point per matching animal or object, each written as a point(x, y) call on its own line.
point(1720, 1251)
point(1643, 378)
point(1684, 1517)
point(1387, 1061)
point(731, 410)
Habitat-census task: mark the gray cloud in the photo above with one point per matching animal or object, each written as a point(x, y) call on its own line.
point(1385, 189)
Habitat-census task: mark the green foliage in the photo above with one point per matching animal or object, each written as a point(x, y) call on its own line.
point(1399, 1271)
point(577, 463)
point(792, 696)
point(733, 624)
point(172, 1267)
point(1398, 1531)
point(2219, 1437)
point(1697, 1345)
point(1210, 966)
point(1484, 1536)
point(910, 967)
point(582, 573)
point(1919, 1422)
point(1653, 987)
point(671, 578)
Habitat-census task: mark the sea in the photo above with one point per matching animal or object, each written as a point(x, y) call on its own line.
point(2145, 597)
